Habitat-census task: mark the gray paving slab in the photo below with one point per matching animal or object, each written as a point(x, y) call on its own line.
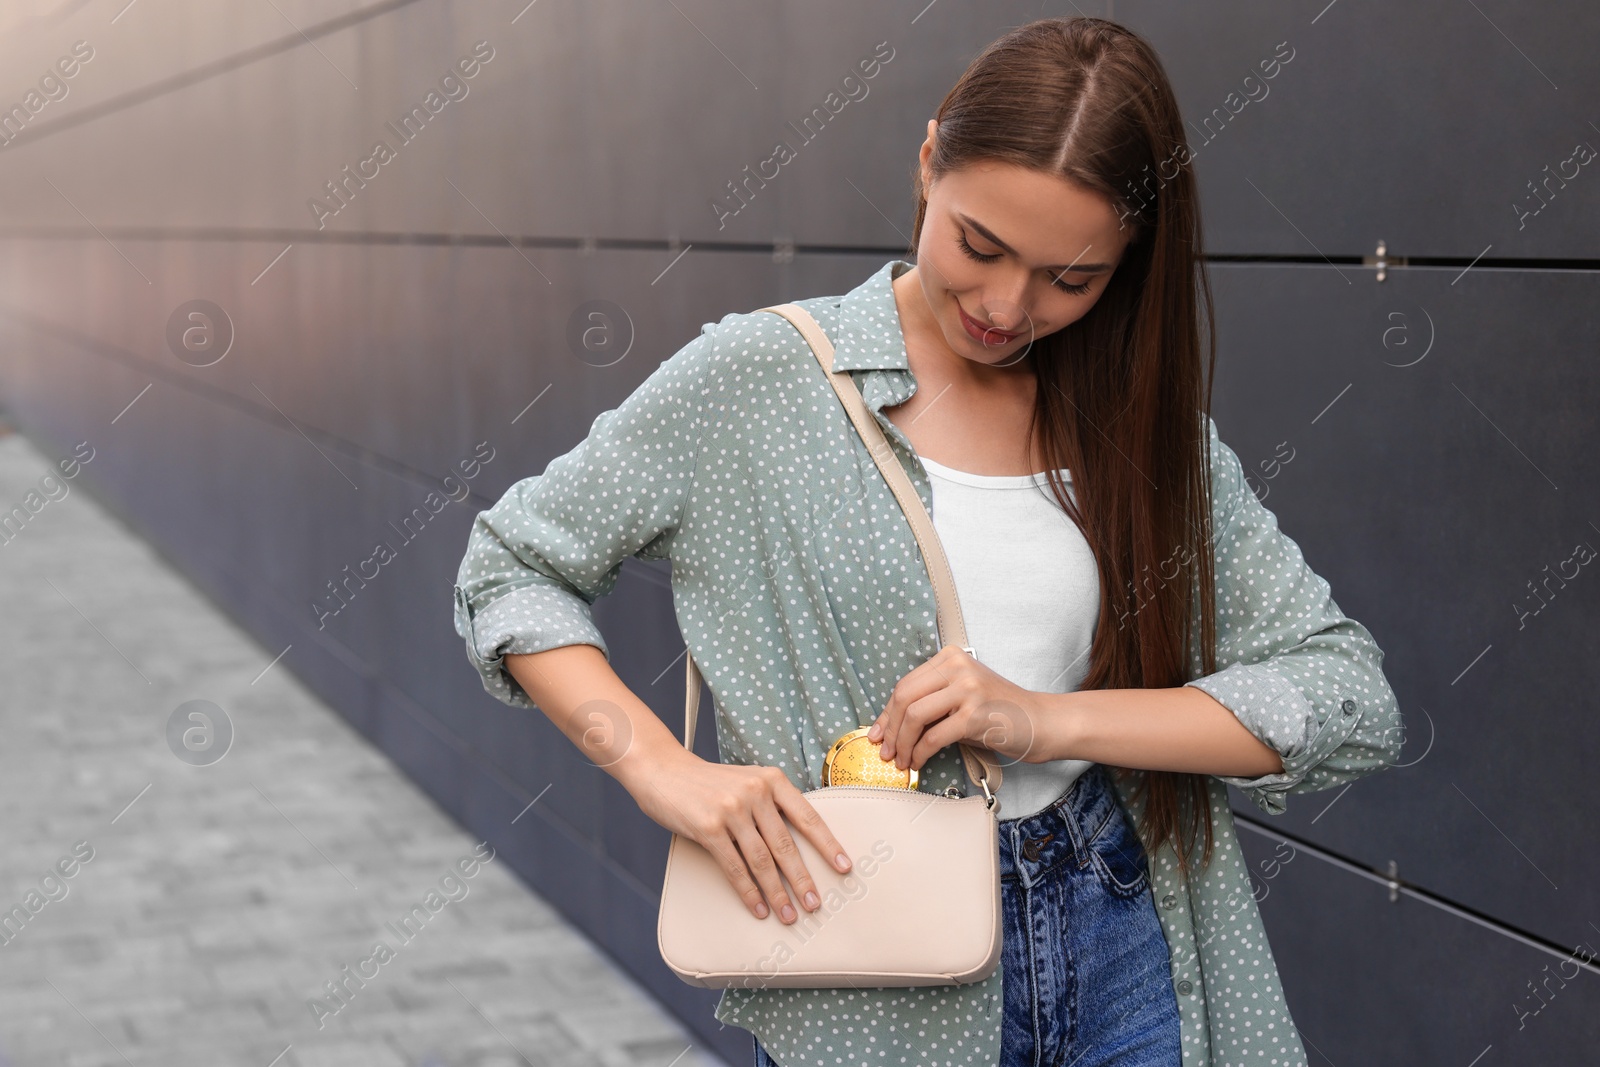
point(210, 907)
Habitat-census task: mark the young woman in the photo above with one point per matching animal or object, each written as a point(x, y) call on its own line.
point(1039, 374)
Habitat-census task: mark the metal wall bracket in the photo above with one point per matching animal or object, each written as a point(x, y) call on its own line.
point(1382, 260)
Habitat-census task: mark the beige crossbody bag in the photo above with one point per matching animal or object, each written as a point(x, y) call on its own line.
point(921, 903)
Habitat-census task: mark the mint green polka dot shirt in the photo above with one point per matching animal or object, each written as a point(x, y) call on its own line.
point(800, 591)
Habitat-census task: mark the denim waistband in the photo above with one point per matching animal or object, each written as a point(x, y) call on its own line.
point(1033, 845)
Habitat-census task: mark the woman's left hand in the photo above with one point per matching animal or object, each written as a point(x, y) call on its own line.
point(953, 698)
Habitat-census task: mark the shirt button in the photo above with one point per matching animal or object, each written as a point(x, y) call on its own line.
point(1169, 901)
point(1349, 707)
point(1185, 988)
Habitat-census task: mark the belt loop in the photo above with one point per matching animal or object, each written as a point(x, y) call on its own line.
point(1069, 815)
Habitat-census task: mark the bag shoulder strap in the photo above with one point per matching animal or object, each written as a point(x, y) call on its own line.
point(981, 766)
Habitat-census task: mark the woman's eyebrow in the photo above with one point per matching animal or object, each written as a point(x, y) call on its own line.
point(1077, 268)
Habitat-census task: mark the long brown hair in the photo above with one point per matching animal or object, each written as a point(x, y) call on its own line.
point(1122, 391)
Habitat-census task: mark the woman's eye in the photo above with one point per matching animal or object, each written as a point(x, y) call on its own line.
point(973, 253)
point(1079, 289)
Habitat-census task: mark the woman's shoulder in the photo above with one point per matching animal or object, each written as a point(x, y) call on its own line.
point(763, 328)
point(761, 343)
point(1227, 478)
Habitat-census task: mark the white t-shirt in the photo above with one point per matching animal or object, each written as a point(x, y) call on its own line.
point(1030, 597)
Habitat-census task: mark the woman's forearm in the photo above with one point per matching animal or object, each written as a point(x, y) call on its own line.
point(577, 688)
point(1179, 729)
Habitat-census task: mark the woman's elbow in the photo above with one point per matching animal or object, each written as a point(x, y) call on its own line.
point(1393, 739)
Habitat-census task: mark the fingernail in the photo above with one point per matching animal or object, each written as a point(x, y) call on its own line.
point(842, 861)
point(875, 732)
point(812, 901)
point(788, 914)
point(761, 910)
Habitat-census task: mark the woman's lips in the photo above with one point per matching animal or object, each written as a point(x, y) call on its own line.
point(988, 335)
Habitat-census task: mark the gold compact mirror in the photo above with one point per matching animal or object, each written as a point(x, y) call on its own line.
point(853, 760)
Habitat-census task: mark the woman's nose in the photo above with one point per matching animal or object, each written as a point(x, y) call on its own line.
point(1005, 306)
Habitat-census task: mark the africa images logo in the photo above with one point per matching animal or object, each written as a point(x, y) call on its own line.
point(342, 191)
point(343, 590)
point(453, 887)
point(855, 89)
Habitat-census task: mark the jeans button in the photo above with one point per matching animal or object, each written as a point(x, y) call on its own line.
point(1169, 901)
point(1185, 988)
point(1031, 849)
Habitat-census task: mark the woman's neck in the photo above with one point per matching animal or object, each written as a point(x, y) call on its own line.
point(964, 414)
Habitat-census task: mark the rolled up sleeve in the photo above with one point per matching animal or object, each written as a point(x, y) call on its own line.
point(1302, 676)
point(555, 542)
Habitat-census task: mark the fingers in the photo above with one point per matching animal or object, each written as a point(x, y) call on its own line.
point(1005, 728)
point(758, 858)
point(806, 818)
point(947, 731)
point(786, 855)
point(891, 727)
point(920, 716)
point(721, 845)
point(887, 725)
point(765, 849)
point(719, 840)
point(769, 819)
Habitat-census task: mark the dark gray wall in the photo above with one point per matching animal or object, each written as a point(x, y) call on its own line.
point(1441, 420)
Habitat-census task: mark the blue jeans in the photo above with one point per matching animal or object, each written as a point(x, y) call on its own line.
point(1088, 979)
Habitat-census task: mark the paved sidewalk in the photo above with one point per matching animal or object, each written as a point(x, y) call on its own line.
point(175, 914)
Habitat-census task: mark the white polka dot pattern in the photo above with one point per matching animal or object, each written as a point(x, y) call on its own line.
point(800, 590)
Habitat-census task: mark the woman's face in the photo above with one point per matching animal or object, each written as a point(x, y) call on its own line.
point(1047, 247)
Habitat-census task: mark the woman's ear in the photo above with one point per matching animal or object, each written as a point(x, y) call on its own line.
point(927, 148)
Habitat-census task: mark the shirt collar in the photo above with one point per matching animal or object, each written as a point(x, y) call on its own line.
point(868, 335)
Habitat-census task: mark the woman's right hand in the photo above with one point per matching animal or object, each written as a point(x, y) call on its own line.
point(736, 813)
